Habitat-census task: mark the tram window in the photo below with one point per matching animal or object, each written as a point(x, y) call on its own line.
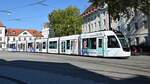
point(44, 45)
point(29, 45)
point(50, 45)
point(37, 46)
point(92, 43)
point(21, 46)
point(61, 46)
point(72, 44)
point(100, 43)
point(68, 44)
point(85, 43)
point(112, 42)
point(53, 45)
point(12, 46)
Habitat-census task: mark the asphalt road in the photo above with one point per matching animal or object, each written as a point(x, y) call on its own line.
point(38, 68)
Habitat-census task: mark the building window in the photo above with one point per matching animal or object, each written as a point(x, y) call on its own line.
point(137, 40)
point(104, 22)
point(92, 26)
point(88, 19)
point(146, 40)
point(0, 31)
point(95, 25)
point(99, 25)
point(13, 38)
point(145, 24)
point(98, 15)
point(30, 38)
point(119, 28)
point(128, 27)
point(89, 28)
point(136, 26)
point(24, 39)
point(19, 39)
point(0, 38)
point(94, 17)
point(0, 45)
point(8, 38)
point(24, 33)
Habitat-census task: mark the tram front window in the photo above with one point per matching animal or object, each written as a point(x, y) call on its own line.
point(124, 43)
point(112, 42)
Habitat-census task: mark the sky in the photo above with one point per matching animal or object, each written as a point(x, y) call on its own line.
point(32, 14)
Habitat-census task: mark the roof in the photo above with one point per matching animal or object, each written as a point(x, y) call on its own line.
point(35, 33)
point(16, 32)
point(91, 9)
point(1, 24)
point(13, 32)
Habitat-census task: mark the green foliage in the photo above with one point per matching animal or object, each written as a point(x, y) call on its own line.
point(66, 21)
point(117, 8)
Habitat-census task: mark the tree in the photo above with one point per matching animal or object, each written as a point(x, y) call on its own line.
point(66, 21)
point(117, 8)
point(123, 7)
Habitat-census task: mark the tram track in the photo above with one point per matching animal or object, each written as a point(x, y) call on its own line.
point(112, 64)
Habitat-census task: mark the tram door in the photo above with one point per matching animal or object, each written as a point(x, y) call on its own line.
point(63, 48)
point(73, 46)
point(40, 47)
point(100, 47)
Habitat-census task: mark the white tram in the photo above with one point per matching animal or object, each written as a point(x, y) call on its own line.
point(69, 44)
point(104, 43)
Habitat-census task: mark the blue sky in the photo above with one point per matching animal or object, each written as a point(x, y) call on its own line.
point(20, 14)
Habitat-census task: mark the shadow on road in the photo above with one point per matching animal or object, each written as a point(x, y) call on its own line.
point(67, 69)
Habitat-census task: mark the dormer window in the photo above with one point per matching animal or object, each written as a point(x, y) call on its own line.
point(24, 33)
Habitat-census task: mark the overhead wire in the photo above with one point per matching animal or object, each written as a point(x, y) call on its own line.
point(10, 10)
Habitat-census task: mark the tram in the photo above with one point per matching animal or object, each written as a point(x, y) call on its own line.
point(100, 44)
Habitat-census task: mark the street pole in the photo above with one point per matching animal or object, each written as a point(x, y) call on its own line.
point(148, 21)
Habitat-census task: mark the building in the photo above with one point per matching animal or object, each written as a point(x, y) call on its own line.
point(2, 36)
point(95, 19)
point(18, 39)
point(21, 39)
point(47, 32)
